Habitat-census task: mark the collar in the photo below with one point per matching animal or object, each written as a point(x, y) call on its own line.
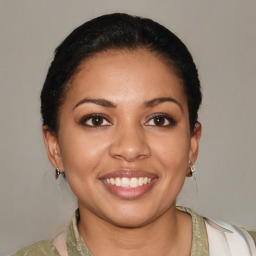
point(76, 245)
point(200, 244)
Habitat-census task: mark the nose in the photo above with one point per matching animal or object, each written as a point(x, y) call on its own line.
point(130, 144)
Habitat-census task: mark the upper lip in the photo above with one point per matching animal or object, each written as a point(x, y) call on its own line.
point(128, 173)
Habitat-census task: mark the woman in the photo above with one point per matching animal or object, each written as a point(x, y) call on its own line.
point(119, 109)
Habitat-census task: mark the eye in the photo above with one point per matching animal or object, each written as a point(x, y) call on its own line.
point(95, 120)
point(161, 120)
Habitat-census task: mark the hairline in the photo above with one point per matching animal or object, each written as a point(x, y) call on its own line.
point(167, 61)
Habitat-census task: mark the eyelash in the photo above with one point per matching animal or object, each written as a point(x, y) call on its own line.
point(169, 119)
point(103, 118)
point(94, 116)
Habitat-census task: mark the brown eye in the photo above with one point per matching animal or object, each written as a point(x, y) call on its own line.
point(161, 121)
point(95, 121)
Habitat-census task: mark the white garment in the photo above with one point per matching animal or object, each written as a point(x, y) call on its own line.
point(228, 240)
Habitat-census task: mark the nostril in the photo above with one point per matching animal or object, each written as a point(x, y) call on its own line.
point(130, 152)
point(129, 144)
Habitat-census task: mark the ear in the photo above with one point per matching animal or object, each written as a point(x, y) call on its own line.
point(194, 144)
point(52, 148)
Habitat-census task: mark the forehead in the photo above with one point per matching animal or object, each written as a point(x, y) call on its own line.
point(123, 75)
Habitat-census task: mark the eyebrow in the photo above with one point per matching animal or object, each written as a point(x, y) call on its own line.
point(101, 102)
point(147, 104)
point(156, 101)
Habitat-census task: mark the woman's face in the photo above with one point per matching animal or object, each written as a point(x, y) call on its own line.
point(124, 140)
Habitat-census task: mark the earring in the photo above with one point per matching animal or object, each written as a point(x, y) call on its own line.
point(192, 168)
point(57, 173)
point(63, 175)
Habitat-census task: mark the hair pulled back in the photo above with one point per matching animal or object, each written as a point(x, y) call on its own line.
point(116, 31)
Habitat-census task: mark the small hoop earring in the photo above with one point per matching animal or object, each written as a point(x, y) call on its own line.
point(57, 173)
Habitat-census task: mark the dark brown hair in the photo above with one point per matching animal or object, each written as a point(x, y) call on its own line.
point(116, 31)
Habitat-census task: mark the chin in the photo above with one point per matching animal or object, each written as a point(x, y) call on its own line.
point(131, 222)
point(130, 217)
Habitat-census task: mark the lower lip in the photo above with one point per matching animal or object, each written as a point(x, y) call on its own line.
point(130, 193)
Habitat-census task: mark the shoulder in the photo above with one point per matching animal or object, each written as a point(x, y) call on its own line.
point(40, 248)
point(223, 236)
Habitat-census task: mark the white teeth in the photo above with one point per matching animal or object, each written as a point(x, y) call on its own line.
point(134, 183)
point(141, 181)
point(118, 182)
point(126, 182)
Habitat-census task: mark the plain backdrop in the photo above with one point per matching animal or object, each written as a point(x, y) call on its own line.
point(221, 36)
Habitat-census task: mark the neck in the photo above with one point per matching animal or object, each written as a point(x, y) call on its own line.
point(170, 234)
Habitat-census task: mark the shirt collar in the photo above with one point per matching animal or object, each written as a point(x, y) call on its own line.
point(76, 245)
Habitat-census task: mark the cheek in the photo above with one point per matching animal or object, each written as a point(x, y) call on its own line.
point(82, 155)
point(82, 152)
point(173, 154)
point(172, 149)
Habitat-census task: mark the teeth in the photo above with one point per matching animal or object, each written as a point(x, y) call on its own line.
point(118, 182)
point(134, 183)
point(141, 181)
point(126, 182)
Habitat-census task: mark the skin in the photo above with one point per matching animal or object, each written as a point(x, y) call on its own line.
point(129, 138)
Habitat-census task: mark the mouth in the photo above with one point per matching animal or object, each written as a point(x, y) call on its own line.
point(129, 184)
point(125, 182)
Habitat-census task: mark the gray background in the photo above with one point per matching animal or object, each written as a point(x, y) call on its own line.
point(221, 36)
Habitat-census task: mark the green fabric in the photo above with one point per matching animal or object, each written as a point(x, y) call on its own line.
point(75, 243)
point(40, 248)
point(200, 240)
point(76, 246)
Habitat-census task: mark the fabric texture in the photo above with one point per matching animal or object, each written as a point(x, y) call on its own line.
point(77, 247)
point(40, 248)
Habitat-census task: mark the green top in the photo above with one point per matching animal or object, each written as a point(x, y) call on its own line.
point(77, 247)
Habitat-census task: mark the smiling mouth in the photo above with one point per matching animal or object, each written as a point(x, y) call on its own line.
point(127, 184)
